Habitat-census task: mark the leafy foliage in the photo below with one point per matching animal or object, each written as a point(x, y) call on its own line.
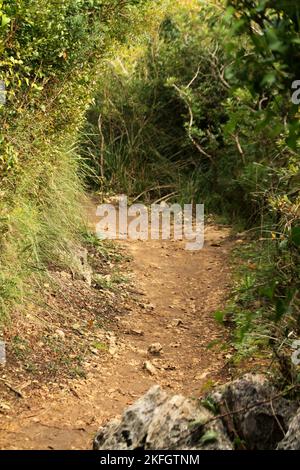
point(266, 66)
point(271, 64)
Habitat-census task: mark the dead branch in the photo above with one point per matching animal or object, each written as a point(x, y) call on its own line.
point(239, 147)
point(216, 65)
point(191, 123)
point(193, 79)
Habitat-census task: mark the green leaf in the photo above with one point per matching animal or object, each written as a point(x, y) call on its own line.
point(219, 316)
point(268, 291)
point(210, 405)
point(5, 20)
point(295, 236)
point(281, 309)
point(208, 437)
point(269, 79)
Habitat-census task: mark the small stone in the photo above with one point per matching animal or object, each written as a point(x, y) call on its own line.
point(149, 367)
point(175, 323)
point(155, 349)
point(113, 348)
point(202, 376)
point(94, 351)
point(135, 332)
point(170, 367)
point(61, 334)
point(4, 406)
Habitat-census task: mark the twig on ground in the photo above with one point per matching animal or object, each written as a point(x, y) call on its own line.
point(12, 389)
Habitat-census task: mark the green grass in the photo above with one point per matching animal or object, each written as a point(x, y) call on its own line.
point(251, 310)
point(45, 218)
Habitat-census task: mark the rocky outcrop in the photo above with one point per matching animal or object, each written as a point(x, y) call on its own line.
point(157, 421)
point(249, 413)
point(254, 411)
point(291, 440)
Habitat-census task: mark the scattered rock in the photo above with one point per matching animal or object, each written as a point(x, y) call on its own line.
point(261, 427)
point(112, 348)
point(203, 375)
point(157, 421)
point(170, 367)
point(94, 351)
point(82, 265)
point(155, 349)
point(149, 307)
point(291, 440)
point(135, 332)
point(60, 334)
point(175, 345)
point(4, 407)
point(149, 367)
point(175, 323)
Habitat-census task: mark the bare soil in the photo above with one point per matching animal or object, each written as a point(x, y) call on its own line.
point(102, 336)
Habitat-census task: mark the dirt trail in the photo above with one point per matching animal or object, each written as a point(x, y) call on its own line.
point(178, 292)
